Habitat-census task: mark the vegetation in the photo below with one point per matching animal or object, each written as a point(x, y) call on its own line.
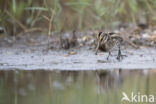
point(27, 15)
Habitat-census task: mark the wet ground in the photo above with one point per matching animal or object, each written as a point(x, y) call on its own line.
point(33, 58)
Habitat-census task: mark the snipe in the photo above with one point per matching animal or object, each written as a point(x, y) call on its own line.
point(106, 41)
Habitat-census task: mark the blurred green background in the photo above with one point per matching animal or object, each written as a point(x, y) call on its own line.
point(20, 15)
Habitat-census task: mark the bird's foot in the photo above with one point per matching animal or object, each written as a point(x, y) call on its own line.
point(120, 56)
point(95, 53)
point(109, 55)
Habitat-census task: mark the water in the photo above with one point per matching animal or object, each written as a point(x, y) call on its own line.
point(74, 87)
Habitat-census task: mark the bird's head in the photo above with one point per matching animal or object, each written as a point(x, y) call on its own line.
point(102, 37)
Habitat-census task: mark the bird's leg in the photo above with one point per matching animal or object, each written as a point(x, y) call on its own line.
point(96, 52)
point(109, 55)
point(97, 48)
point(119, 54)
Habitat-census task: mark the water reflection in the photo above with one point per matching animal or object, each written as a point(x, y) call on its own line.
point(109, 79)
point(73, 87)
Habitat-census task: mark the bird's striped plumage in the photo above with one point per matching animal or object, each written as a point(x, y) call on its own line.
point(106, 41)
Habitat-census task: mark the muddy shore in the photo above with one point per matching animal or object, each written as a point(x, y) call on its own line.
point(33, 58)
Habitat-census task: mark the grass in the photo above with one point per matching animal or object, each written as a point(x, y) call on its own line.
point(71, 14)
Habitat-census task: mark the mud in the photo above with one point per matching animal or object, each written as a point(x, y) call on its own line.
point(36, 57)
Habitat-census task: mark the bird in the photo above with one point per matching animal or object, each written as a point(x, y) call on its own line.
point(106, 41)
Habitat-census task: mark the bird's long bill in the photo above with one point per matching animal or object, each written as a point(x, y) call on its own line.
point(97, 47)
